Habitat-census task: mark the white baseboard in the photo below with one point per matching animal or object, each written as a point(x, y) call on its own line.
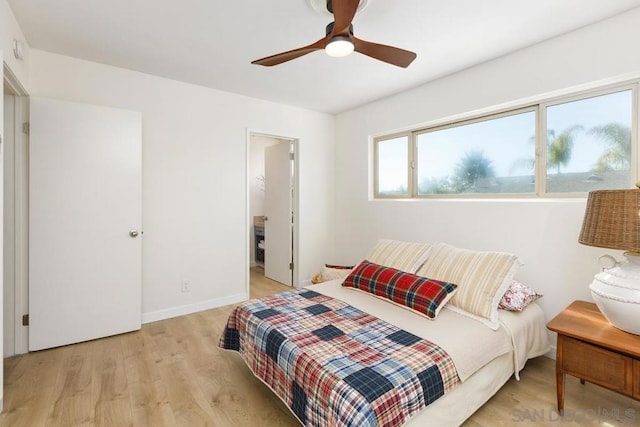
point(168, 313)
point(306, 283)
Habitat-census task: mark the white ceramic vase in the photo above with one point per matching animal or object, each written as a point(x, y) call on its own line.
point(616, 291)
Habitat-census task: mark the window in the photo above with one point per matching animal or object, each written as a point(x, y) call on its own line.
point(484, 156)
point(585, 144)
point(589, 144)
point(392, 159)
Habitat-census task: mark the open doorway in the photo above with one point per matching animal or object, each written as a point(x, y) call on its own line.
point(272, 214)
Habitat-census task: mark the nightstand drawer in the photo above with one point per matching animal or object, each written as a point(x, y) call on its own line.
point(599, 366)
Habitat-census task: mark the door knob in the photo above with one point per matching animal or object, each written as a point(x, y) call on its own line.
point(133, 233)
point(266, 218)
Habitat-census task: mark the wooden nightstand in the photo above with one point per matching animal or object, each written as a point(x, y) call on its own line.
point(590, 348)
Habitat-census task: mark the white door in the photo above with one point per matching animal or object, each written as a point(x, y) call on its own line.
point(85, 222)
point(278, 214)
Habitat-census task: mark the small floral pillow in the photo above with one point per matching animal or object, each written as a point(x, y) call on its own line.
point(517, 297)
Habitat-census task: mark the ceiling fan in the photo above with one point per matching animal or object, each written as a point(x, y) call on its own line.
point(340, 41)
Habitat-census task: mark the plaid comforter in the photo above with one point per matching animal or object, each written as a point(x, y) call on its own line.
point(335, 365)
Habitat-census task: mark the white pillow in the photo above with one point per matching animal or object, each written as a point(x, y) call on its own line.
point(327, 273)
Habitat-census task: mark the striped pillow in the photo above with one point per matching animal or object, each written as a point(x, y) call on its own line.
point(482, 279)
point(426, 296)
point(404, 256)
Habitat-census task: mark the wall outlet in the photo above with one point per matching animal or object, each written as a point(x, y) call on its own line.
point(185, 285)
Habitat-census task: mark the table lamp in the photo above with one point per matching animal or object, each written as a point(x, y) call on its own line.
point(612, 220)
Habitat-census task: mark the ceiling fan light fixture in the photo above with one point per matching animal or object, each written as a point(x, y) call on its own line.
point(339, 46)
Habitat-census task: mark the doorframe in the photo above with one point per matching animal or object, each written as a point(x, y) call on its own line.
point(295, 204)
point(20, 202)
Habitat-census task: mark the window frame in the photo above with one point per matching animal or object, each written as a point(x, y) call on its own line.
point(539, 108)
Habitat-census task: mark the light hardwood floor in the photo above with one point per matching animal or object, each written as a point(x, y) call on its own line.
point(171, 373)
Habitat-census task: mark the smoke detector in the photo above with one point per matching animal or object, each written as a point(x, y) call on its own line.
point(320, 6)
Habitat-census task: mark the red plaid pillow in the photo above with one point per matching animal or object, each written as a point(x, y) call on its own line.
point(424, 295)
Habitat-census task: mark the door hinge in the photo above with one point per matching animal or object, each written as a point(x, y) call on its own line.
point(291, 266)
point(26, 127)
point(25, 320)
point(291, 156)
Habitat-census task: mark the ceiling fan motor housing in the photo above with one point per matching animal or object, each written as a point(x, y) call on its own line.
point(329, 28)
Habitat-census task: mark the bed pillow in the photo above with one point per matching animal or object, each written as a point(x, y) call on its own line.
point(327, 273)
point(340, 267)
point(517, 297)
point(403, 256)
point(482, 279)
point(420, 294)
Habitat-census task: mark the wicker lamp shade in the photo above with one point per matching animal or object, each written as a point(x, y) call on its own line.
point(612, 220)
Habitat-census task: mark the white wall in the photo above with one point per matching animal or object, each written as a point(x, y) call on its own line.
point(194, 176)
point(543, 233)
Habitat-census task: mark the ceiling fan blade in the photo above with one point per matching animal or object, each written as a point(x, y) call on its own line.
point(279, 58)
point(389, 54)
point(343, 13)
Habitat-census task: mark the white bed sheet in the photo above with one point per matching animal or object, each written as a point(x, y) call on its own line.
point(530, 340)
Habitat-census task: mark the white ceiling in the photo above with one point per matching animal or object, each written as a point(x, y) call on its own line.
point(212, 42)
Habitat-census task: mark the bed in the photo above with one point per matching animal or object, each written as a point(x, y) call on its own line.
point(322, 349)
